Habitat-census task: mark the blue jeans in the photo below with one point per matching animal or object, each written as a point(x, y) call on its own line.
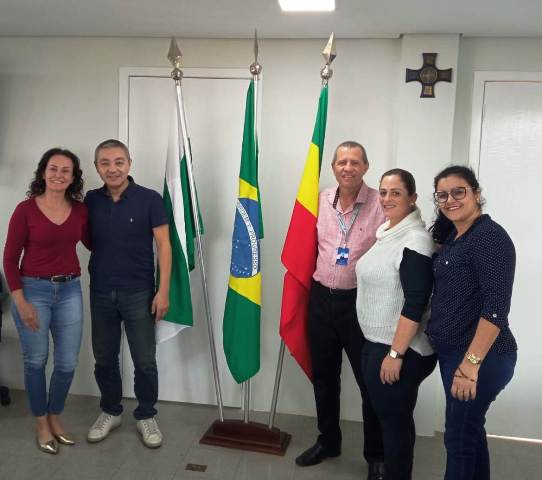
point(108, 310)
point(60, 310)
point(465, 436)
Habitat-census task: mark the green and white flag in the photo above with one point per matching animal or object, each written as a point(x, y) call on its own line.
point(241, 328)
point(181, 233)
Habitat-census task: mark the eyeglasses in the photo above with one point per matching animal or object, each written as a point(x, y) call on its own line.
point(457, 193)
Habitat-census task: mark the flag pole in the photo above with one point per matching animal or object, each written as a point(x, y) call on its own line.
point(175, 57)
point(255, 69)
point(242, 433)
point(278, 376)
point(329, 54)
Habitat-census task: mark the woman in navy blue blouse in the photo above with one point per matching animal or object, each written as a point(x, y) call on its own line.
point(474, 274)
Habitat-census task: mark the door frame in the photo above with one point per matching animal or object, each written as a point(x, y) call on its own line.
point(481, 80)
point(127, 73)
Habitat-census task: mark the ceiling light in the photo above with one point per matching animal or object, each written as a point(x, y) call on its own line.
point(307, 5)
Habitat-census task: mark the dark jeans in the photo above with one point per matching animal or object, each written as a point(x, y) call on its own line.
point(108, 310)
point(465, 435)
point(394, 404)
point(333, 326)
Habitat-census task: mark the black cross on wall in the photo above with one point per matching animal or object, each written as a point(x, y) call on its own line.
point(428, 75)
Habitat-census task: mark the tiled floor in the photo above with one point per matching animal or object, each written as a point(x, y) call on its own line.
point(123, 457)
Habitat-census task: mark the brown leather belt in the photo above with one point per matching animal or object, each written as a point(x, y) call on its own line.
point(60, 278)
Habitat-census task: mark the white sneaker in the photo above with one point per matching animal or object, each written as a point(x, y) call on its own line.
point(150, 433)
point(102, 426)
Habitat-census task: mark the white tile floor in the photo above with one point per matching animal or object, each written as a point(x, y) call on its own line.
point(123, 457)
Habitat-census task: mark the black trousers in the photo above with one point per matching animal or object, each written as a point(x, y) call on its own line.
point(394, 404)
point(333, 326)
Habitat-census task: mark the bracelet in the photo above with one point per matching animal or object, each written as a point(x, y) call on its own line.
point(464, 376)
point(475, 360)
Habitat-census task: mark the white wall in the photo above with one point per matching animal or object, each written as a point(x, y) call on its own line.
point(64, 91)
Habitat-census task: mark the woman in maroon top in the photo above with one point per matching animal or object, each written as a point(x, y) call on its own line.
point(45, 288)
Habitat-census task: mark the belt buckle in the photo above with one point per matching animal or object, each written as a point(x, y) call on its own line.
point(60, 278)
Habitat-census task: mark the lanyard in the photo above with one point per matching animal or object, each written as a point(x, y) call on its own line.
point(342, 226)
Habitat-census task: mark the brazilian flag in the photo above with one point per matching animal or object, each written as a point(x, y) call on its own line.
point(241, 327)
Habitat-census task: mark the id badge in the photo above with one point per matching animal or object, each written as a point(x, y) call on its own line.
point(342, 256)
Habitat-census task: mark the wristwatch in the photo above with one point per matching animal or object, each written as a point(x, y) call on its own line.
point(473, 358)
point(395, 354)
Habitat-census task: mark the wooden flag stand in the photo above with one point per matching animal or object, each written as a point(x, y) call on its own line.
point(252, 436)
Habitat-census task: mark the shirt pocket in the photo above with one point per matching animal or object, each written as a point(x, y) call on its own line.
point(454, 265)
point(362, 237)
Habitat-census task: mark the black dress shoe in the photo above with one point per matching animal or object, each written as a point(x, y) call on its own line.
point(4, 396)
point(315, 454)
point(376, 471)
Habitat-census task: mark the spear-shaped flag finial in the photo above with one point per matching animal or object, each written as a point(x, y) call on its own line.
point(329, 53)
point(255, 45)
point(255, 67)
point(175, 57)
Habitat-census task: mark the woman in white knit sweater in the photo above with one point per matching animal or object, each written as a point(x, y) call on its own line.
point(394, 285)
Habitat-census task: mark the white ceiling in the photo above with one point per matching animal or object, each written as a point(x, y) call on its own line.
point(238, 18)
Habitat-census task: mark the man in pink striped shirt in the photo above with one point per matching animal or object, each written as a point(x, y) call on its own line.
point(348, 217)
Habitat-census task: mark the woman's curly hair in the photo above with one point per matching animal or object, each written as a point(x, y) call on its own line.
point(74, 191)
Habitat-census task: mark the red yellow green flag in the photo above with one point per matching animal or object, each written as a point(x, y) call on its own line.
point(301, 248)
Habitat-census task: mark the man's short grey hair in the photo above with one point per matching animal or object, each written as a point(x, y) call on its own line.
point(350, 144)
point(111, 143)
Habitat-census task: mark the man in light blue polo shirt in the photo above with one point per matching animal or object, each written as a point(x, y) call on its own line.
point(124, 220)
